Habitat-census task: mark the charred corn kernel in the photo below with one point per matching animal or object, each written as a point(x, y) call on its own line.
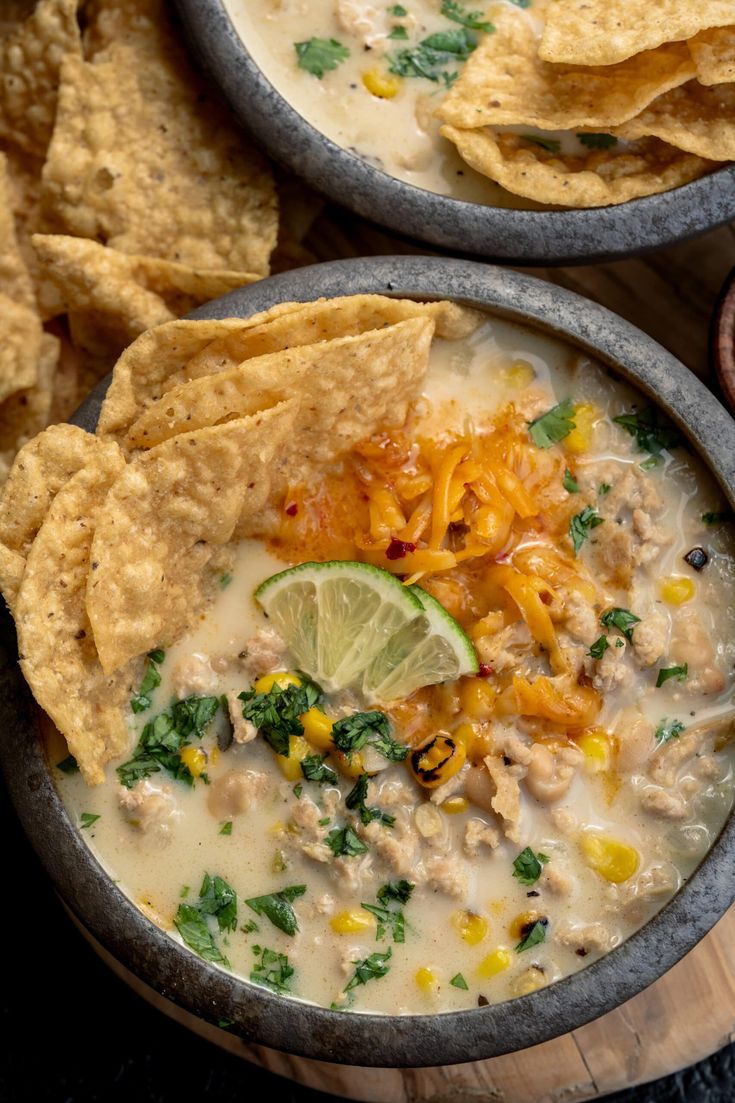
point(381, 84)
point(494, 963)
point(529, 981)
point(518, 374)
point(580, 438)
point(522, 923)
point(676, 589)
point(438, 761)
point(471, 927)
point(425, 979)
point(317, 729)
point(280, 678)
point(351, 922)
point(348, 767)
point(290, 766)
point(478, 698)
point(613, 860)
point(595, 746)
point(454, 806)
point(195, 760)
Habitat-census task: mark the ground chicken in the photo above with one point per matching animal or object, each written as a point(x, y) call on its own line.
point(581, 621)
point(671, 806)
point(305, 817)
point(667, 762)
point(501, 650)
point(634, 733)
point(613, 671)
point(396, 847)
point(477, 834)
point(509, 743)
point(242, 730)
point(692, 644)
point(237, 791)
point(263, 652)
point(594, 938)
point(353, 873)
point(446, 873)
point(650, 637)
point(611, 554)
point(649, 538)
point(367, 22)
point(150, 808)
point(194, 675)
point(556, 880)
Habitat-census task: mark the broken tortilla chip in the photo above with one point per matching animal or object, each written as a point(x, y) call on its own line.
point(714, 55)
point(56, 647)
point(603, 32)
point(599, 178)
point(20, 347)
point(161, 523)
point(137, 162)
point(15, 279)
point(504, 82)
point(694, 118)
point(26, 413)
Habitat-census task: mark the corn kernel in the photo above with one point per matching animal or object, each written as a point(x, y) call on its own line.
point(465, 733)
point(290, 765)
point(471, 927)
point(478, 698)
point(280, 678)
point(213, 754)
point(595, 746)
point(381, 84)
point(195, 760)
point(348, 767)
point(613, 860)
point(454, 806)
point(438, 761)
point(494, 963)
point(522, 923)
point(580, 438)
point(528, 982)
point(518, 374)
point(351, 922)
point(317, 729)
point(425, 980)
point(677, 589)
point(278, 827)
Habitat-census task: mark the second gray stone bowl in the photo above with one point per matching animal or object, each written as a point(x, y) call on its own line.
point(262, 1017)
point(509, 235)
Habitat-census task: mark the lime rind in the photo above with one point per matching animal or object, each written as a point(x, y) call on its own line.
point(443, 622)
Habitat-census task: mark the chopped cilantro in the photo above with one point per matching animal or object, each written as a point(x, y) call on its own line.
point(279, 863)
point(431, 56)
point(536, 935)
point(151, 679)
point(598, 141)
point(622, 619)
point(273, 970)
point(277, 907)
point(324, 821)
point(343, 842)
point(225, 580)
point(87, 819)
point(669, 729)
point(226, 828)
point(720, 518)
point(399, 34)
point(355, 800)
point(250, 927)
point(320, 55)
point(551, 145)
point(225, 1024)
point(157, 655)
point(397, 9)
point(527, 866)
point(297, 791)
point(276, 714)
point(388, 916)
point(569, 482)
point(353, 732)
point(400, 891)
point(185, 890)
point(472, 19)
point(370, 968)
point(68, 765)
point(581, 525)
point(650, 463)
point(553, 426)
point(192, 926)
point(599, 647)
point(667, 672)
point(604, 488)
point(217, 898)
point(314, 768)
point(458, 981)
point(165, 736)
point(650, 434)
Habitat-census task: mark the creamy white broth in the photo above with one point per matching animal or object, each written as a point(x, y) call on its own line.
point(398, 135)
point(587, 915)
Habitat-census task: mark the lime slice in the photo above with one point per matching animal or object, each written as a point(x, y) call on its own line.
point(352, 625)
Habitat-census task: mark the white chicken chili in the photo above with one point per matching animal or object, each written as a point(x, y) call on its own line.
point(469, 841)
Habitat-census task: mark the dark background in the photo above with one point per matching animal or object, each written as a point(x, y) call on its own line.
point(73, 1033)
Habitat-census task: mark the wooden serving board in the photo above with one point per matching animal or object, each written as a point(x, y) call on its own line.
point(690, 1012)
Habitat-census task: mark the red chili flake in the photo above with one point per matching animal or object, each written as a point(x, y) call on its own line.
point(397, 549)
point(485, 671)
point(292, 509)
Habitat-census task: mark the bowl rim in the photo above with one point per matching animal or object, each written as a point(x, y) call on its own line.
point(722, 339)
point(557, 236)
point(255, 1014)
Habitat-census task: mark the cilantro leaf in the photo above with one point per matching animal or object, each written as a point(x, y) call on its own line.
point(680, 672)
point(458, 981)
point(669, 729)
point(273, 970)
point(68, 765)
point(650, 434)
point(343, 842)
point(192, 926)
point(551, 145)
point(599, 647)
point(370, 968)
point(430, 57)
point(598, 141)
point(536, 935)
point(717, 518)
point(351, 733)
point(165, 736)
point(151, 680)
point(217, 898)
point(276, 713)
point(399, 34)
point(472, 19)
point(397, 9)
point(314, 768)
point(527, 866)
point(389, 916)
point(569, 482)
point(87, 819)
point(553, 426)
point(276, 906)
point(320, 55)
point(622, 619)
point(604, 488)
point(355, 801)
point(581, 525)
point(226, 828)
point(399, 891)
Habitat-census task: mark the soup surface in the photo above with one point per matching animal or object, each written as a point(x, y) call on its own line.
point(567, 790)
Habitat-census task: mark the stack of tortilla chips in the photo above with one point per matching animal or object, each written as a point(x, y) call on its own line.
point(585, 103)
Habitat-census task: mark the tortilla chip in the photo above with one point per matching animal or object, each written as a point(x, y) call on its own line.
point(714, 55)
point(130, 22)
point(163, 519)
point(28, 412)
point(58, 656)
point(505, 82)
point(20, 347)
point(694, 118)
point(603, 32)
point(144, 161)
point(15, 279)
point(379, 371)
point(598, 179)
point(30, 60)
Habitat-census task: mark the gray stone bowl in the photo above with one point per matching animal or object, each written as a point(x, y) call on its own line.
point(555, 236)
point(257, 1015)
